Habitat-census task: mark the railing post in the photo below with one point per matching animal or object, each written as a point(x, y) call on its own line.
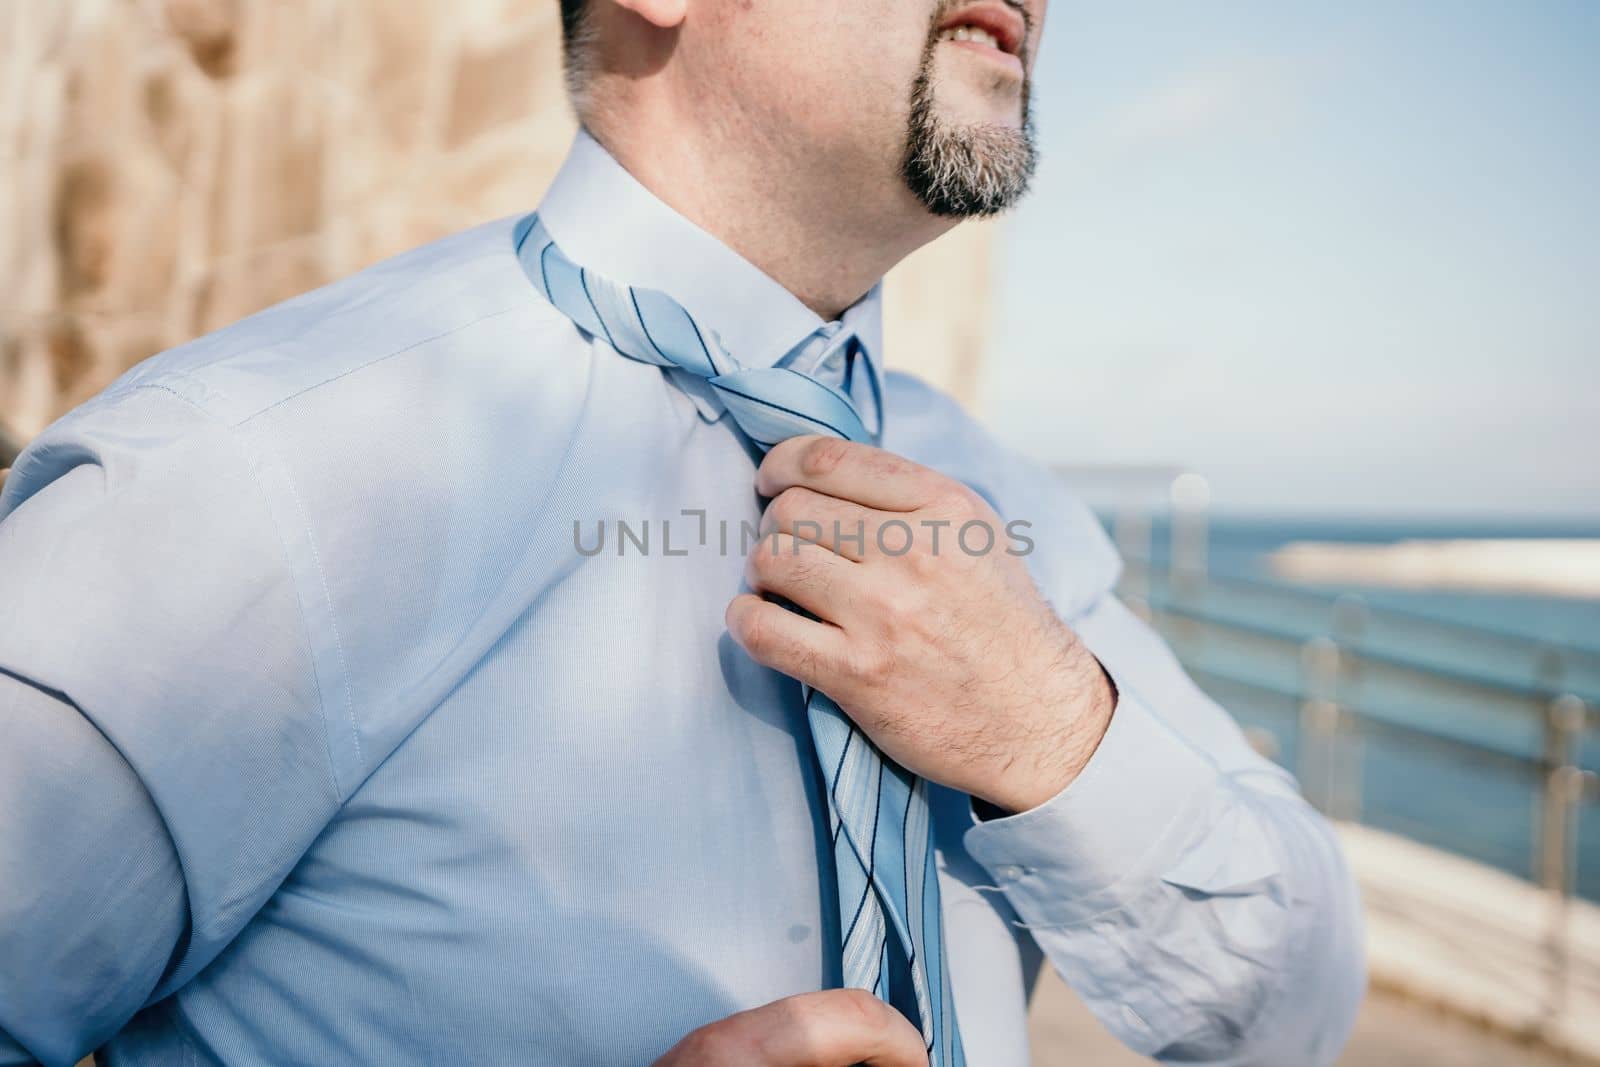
point(1319, 721)
point(1346, 763)
point(1131, 530)
point(1190, 546)
point(1187, 553)
point(1563, 785)
point(1549, 668)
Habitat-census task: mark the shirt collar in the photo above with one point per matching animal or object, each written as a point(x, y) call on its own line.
point(604, 219)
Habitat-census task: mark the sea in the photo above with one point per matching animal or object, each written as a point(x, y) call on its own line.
point(1453, 688)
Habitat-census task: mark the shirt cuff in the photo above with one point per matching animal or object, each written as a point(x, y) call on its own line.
point(1127, 818)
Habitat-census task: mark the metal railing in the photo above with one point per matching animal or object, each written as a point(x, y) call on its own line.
point(1343, 675)
point(1335, 723)
point(1336, 669)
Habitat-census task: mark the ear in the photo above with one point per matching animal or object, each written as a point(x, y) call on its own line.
point(663, 14)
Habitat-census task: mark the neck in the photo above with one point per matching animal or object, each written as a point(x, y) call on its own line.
point(825, 232)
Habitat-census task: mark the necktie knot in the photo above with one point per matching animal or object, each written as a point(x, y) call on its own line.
point(834, 355)
point(769, 404)
point(824, 354)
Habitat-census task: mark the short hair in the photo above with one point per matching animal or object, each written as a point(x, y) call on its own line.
point(571, 20)
point(576, 30)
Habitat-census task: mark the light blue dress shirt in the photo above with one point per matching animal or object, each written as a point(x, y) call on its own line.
point(321, 743)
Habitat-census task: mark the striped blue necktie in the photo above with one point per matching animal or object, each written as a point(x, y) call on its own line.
point(893, 937)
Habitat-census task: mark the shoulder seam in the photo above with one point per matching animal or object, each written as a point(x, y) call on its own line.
point(288, 564)
point(378, 359)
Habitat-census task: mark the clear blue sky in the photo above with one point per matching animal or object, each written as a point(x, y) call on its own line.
point(1341, 258)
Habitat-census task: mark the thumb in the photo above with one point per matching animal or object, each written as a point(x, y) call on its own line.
point(839, 1027)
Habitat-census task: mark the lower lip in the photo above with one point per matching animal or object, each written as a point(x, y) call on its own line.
point(993, 54)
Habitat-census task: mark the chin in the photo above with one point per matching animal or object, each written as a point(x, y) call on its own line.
point(968, 169)
point(969, 136)
point(963, 100)
point(990, 118)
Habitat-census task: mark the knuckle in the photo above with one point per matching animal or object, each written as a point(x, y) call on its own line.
point(775, 562)
point(892, 462)
point(954, 498)
point(753, 630)
point(926, 557)
point(804, 1018)
point(894, 606)
point(808, 1040)
point(808, 661)
point(884, 464)
point(889, 466)
point(799, 576)
point(862, 1005)
point(759, 564)
point(872, 662)
point(814, 1021)
point(788, 505)
point(805, 569)
point(701, 1046)
point(824, 455)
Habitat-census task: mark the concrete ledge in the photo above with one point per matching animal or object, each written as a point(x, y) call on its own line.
point(1476, 942)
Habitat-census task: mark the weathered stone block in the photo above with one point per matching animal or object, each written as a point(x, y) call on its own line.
point(209, 30)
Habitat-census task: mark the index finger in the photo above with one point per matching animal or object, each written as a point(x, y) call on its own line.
point(847, 470)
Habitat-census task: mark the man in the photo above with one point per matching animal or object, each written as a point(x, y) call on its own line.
point(378, 684)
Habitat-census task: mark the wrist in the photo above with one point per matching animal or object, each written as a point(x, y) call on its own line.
point(1081, 709)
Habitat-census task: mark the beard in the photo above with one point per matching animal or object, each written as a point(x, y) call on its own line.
point(964, 171)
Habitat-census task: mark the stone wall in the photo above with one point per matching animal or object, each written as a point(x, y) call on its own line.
point(168, 166)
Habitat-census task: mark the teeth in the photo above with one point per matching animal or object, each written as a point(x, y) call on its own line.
point(970, 33)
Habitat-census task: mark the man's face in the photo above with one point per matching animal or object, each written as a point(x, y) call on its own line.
point(929, 94)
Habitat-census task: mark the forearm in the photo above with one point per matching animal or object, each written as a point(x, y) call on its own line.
point(1198, 905)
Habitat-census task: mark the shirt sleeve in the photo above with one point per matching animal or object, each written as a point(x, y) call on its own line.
point(165, 758)
point(91, 893)
point(1180, 884)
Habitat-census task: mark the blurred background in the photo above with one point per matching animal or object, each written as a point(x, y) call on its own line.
point(1304, 302)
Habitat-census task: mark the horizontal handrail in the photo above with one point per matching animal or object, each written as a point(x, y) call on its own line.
point(1401, 616)
point(1363, 670)
point(1475, 751)
point(1500, 686)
